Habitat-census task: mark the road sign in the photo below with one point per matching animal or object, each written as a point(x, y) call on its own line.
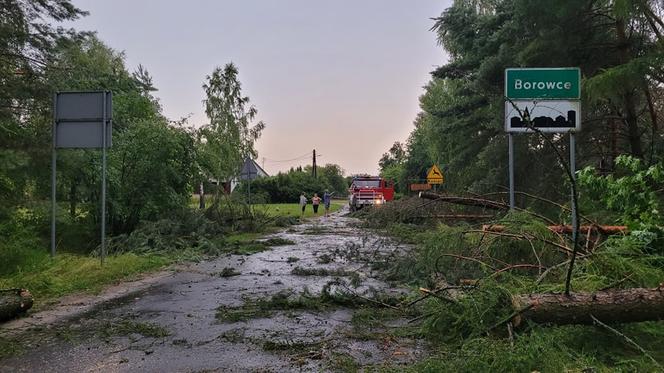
point(543, 83)
point(547, 99)
point(79, 119)
point(546, 116)
point(419, 187)
point(435, 176)
point(249, 170)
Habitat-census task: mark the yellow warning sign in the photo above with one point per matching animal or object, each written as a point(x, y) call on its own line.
point(435, 176)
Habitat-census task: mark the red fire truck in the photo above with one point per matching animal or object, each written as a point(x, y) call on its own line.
point(369, 191)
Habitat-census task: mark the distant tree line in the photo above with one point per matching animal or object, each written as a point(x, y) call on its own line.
point(285, 187)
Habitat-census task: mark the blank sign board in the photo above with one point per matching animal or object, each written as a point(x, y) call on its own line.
point(81, 135)
point(79, 119)
point(82, 106)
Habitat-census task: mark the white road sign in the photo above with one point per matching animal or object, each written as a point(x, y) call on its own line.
point(546, 116)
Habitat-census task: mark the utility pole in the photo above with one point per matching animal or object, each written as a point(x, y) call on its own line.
point(313, 168)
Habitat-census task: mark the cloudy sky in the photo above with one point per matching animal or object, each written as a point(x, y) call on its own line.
point(342, 77)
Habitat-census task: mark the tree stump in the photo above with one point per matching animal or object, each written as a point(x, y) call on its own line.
point(14, 302)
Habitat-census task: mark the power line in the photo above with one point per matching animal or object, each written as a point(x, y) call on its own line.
point(303, 156)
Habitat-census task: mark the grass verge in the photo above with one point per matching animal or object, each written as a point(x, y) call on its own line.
point(69, 273)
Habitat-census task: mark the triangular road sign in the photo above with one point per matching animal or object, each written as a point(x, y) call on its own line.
point(435, 176)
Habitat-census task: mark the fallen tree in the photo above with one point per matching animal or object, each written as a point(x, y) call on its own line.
point(456, 216)
point(585, 229)
point(14, 302)
point(467, 201)
point(609, 306)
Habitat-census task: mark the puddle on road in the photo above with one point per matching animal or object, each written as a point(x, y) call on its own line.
point(174, 326)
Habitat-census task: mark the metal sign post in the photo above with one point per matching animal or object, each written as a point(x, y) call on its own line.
point(572, 168)
point(249, 171)
point(82, 120)
point(53, 164)
point(542, 100)
point(103, 178)
point(510, 142)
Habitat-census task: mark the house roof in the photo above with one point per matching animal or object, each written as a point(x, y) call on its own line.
point(251, 170)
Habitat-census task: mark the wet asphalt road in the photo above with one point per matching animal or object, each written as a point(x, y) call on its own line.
point(184, 305)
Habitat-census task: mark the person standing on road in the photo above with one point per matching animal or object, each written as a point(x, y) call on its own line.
point(315, 202)
point(327, 198)
point(303, 203)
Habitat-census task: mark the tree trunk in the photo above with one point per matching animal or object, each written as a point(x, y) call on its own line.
point(14, 302)
point(72, 199)
point(603, 229)
point(609, 306)
point(477, 202)
point(629, 101)
point(201, 196)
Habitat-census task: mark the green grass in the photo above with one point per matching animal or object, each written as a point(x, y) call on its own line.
point(68, 273)
point(10, 347)
point(342, 362)
point(127, 327)
point(280, 209)
point(294, 209)
point(338, 272)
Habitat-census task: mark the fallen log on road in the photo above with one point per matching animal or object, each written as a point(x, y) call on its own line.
point(603, 229)
point(14, 302)
point(457, 216)
point(467, 201)
point(608, 306)
point(478, 202)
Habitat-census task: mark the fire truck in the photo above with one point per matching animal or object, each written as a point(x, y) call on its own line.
point(369, 191)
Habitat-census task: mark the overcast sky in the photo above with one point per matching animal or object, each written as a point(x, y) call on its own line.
point(342, 77)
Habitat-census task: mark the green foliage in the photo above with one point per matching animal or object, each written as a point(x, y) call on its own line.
point(286, 300)
point(281, 301)
point(286, 186)
point(137, 189)
point(142, 138)
point(183, 229)
point(20, 248)
point(238, 216)
point(630, 192)
point(469, 316)
point(391, 166)
point(302, 271)
point(229, 137)
point(620, 262)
